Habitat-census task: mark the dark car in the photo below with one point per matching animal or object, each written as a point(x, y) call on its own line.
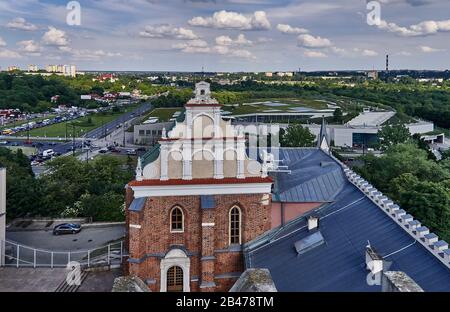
point(66, 228)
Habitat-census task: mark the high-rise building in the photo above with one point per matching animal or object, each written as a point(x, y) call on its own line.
point(69, 70)
point(32, 68)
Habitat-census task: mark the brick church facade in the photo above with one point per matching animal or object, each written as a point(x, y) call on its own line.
point(197, 198)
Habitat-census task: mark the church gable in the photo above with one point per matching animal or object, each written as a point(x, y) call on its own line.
point(202, 146)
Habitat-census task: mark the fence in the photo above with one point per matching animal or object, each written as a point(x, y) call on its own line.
point(17, 255)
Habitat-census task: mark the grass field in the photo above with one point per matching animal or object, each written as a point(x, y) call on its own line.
point(25, 149)
point(279, 105)
point(81, 125)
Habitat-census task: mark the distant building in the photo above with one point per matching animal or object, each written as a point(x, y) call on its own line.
point(269, 74)
point(32, 68)
point(373, 74)
point(69, 70)
point(150, 134)
point(64, 70)
point(13, 68)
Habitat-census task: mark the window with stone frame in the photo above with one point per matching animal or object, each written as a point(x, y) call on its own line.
point(235, 220)
point(176, 220)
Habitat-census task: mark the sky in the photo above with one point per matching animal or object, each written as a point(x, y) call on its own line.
point(226, 35)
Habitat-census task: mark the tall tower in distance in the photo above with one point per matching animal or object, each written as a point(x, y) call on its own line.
point(387, 62)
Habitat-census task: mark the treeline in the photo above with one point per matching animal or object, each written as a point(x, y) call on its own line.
point(420, 185)
point(72, 188)
point(33, 93)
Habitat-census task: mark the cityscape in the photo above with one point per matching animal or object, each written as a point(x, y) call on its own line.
point(228, 147)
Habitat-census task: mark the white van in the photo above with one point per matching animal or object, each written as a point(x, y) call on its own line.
point(48, 153)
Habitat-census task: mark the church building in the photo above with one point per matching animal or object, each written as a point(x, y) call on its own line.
point(197, 198)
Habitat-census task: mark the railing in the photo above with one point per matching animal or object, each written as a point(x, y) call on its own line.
point(17, 255)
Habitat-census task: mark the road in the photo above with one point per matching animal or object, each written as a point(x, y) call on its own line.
point(88, 238)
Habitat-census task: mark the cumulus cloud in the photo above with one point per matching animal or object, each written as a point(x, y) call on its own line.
point(288, 29)
point(92, 55)
point(193, 46)
point(425, 28)
point(2, 42)
point(222, 47)
point(241, 40)
point(21, 24)
point(365, 52)
point(55, 37)
point(9, 54)
point(427, 49)
point(233, 20)
point(308, 41)
point(314, 54)
point(168, 31)
point(29, 47)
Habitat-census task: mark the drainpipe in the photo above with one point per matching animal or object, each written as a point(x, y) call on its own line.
point(282, 214)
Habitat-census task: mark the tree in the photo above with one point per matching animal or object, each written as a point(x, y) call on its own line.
point(295, 136)
point(337, 115)
point(390, 135)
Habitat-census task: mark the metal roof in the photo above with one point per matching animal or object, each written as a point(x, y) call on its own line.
point(137, 204)
point(314, 176)
point(338, 264)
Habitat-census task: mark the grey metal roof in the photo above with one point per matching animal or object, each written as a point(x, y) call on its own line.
point(347, 225)
point(314, 176)
point(137, 204)
point(207, 201)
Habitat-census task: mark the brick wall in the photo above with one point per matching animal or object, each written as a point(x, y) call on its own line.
point(154, 239)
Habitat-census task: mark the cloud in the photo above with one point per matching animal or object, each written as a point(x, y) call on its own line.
point(193, 46)
point(233, 20)
point(9, 54)
point(365, 52)
point(241, 40)
point(223, 47)
point(288, 29)
point(2, 42)
point(29, 47)
point(308, 41)
point(168, 31)
point(314, 54)
point(21, 24)
point(427, 49)
point(92, 55)
point(55, 37)
point(425, 28)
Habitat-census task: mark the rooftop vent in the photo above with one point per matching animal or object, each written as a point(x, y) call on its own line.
point(313, 223)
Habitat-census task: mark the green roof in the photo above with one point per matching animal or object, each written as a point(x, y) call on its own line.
point(151, 155)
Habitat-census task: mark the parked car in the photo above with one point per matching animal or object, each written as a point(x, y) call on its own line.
point(103, 150)
point(66, 228)
point(131, 152)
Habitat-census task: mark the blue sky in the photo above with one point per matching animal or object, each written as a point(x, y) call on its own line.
point(226, 35)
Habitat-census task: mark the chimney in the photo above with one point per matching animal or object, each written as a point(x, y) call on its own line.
point(313, 223)
point(374, 262)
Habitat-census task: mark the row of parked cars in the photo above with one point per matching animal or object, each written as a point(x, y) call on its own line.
point(38, 124)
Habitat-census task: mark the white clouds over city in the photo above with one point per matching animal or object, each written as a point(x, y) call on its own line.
point(233, 20)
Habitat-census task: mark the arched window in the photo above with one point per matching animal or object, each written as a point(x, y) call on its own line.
point(176, 220)
point(175, 279)
point(235, 225)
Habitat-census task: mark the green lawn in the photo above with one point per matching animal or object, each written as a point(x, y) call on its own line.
point(27, 150)
point(81, 125)
point(256, 106)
